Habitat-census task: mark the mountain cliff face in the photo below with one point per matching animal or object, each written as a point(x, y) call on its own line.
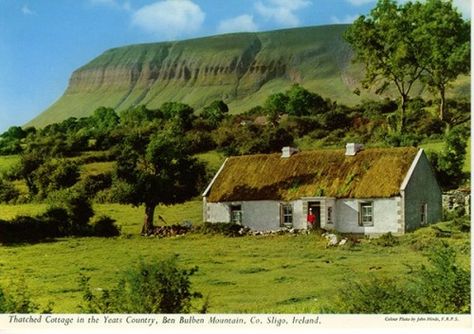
point(241, 69)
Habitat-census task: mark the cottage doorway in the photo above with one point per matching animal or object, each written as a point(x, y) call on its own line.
point(315, 209)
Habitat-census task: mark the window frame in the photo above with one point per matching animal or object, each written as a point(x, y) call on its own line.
point(424, 214)
point(363, 205)
point(234, 212)
point(285, 214)
point(329, 218)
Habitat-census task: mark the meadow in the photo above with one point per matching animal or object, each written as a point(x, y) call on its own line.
point(252, 274)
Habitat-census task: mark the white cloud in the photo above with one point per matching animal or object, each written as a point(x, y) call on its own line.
point(359, 2)
point(26, 10)
point(346, 19)
point(169, 18)
point(281, 11)
point(236, 24)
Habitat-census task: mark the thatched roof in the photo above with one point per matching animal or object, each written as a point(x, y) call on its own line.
point(370, 173)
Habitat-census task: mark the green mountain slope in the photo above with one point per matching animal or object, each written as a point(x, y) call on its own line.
point(242, 69)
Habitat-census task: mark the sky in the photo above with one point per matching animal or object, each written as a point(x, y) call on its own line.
point(43, 41)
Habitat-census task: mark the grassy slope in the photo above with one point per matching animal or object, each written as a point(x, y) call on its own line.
point(287, 274)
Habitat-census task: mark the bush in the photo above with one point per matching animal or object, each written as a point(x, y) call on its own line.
point(387, 240)
point(104, 226)
point(8, 192)
point(441, 288)
point(16, 299)
point(78, 207)
point(155, 287)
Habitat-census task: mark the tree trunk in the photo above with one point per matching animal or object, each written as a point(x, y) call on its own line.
point(148, 222)
point(401, 125)
point(442, 103)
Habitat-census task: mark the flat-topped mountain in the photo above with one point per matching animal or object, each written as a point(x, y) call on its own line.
point(242, 69)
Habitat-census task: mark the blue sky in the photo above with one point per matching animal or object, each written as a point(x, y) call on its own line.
point(43, 41)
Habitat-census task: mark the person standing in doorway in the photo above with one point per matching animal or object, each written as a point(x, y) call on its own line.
point(311, 218)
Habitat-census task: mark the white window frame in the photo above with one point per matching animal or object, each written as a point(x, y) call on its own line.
point(235, 213)
point(286, 215)
point(366, 213)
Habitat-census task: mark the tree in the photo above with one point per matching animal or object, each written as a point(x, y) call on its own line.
point(158, 172)
point(384, 42)
point(448, 165)
point(444, 39)
point(302, 102)
point(180, 115)
point(215, 112)
point(275, 105)
point(104, 119)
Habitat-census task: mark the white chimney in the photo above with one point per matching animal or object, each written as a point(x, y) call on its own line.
point(288, 151)
point(353, 148)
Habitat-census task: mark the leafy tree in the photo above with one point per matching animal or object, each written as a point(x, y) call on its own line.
point(180, 115)
point(54, 175)
point(275, 105)
point(385, 43)
point(138, 116)
point(449, 163)
point(215, 112)
point(28, 164)
point(302, 102)
point(155, 287)
point(104, 119)
point(444, 40)
point(158, 172)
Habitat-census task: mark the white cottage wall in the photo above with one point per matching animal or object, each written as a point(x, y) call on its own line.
point(261, 215)
point(385, 216)
point(217, 212)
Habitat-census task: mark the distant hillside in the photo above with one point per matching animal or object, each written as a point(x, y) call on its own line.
point(242, 69)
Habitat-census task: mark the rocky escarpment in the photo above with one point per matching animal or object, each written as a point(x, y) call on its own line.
point(241, 69)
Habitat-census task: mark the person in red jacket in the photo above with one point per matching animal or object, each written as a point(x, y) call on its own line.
point(311, 218)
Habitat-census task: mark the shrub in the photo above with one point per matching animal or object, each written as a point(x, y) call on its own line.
point(8, 192)
point(155, 287)
point(78, 207)
point(104, 226)
point(387, 240)
point(442, 288)
point(16, 299)
point(92, 184)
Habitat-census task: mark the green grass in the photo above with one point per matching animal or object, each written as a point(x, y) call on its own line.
point(95, 168)
point(273, 274)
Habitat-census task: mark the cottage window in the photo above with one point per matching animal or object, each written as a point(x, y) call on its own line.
point(287, 215)
point(366, 214)
point(329, 215)
point(236, 214)
point(424, 214)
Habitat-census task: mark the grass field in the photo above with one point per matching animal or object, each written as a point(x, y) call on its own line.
point(272, 274)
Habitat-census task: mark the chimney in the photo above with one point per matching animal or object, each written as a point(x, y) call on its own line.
point(288, 151)
point(353, 148)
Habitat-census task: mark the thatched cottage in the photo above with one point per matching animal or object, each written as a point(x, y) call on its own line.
point(368, 191)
